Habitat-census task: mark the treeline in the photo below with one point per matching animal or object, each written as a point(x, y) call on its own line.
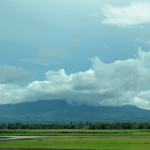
point(134, 125)
point(143, 125)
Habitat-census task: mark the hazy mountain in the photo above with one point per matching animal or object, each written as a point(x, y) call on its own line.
point(59, 111)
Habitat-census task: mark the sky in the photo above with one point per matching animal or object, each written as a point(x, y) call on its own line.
point(86, 52)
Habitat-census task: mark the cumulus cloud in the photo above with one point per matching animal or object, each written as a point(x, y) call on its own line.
point(136, 13)
point(11, 74)
point(125, 82)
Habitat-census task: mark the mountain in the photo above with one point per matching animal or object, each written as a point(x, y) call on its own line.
point(58, 111)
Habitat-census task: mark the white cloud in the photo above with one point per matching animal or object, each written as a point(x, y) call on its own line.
point(10, 74)
point(119, 83)
point(136, 13)
point(12, 93)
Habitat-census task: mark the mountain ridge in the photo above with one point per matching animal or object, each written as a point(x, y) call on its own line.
point(58, 111)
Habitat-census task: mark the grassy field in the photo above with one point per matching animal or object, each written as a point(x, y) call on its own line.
point(76, 132)
point(115, 143)
point(81, 143)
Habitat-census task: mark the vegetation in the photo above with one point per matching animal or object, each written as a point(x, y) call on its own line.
point(80, 143)
point(89, 129)
point(87, 125)
point(77, 132)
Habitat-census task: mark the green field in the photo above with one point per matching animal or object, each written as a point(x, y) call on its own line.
point(103, 143)
point(81, 143)
point(76, 132)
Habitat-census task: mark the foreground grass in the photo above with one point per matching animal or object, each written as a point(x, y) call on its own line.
point(76, 132)
point(81, 143)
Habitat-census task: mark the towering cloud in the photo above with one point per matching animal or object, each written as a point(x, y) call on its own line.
point(115, 84)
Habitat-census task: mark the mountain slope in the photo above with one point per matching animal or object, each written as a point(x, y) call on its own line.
point(59, 111)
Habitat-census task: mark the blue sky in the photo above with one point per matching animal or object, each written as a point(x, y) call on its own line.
point(61, 49)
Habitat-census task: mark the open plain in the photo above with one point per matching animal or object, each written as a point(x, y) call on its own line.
point(80, 143)
point(75, 139)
